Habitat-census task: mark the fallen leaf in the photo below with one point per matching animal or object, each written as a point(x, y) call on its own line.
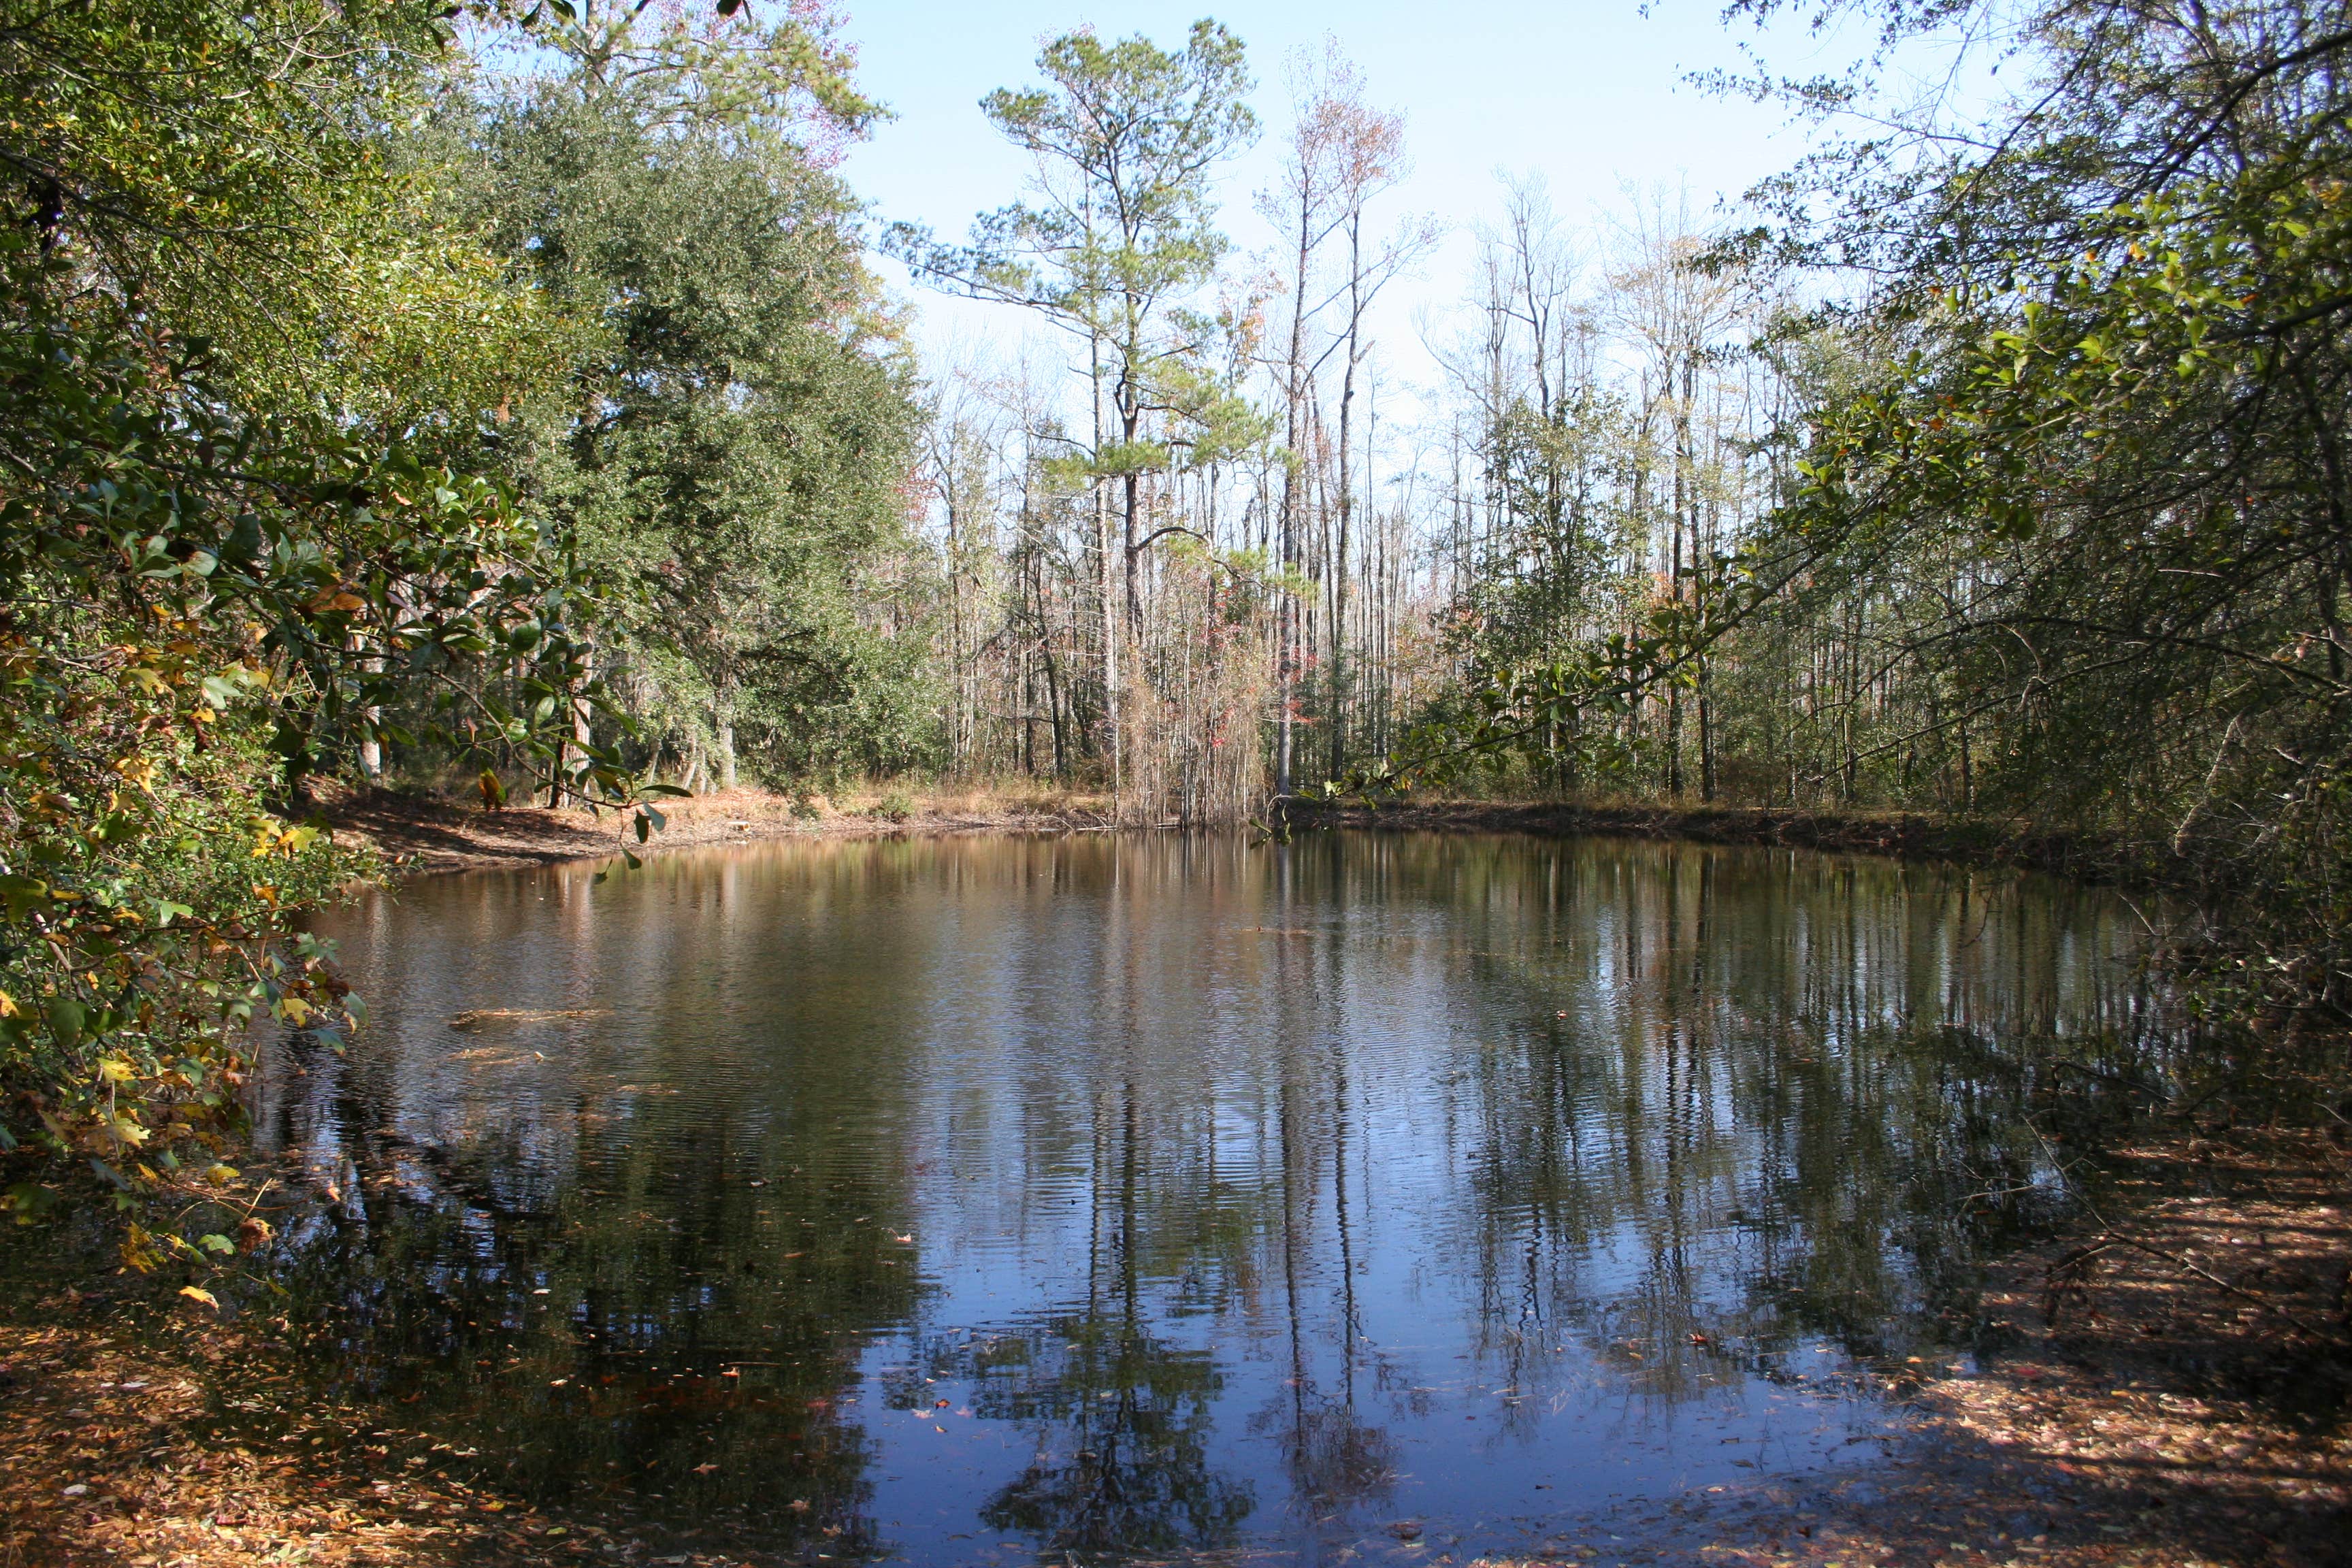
point(206, 1297)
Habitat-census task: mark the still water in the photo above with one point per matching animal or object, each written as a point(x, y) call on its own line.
point(1018, 1199)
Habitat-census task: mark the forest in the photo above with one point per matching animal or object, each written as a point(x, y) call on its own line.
point(502, 398)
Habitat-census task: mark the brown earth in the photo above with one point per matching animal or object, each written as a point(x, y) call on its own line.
point(116, 1448)
point(427, 833)
point(423, 834)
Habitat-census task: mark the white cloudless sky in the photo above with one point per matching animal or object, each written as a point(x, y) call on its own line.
point(1586, 95)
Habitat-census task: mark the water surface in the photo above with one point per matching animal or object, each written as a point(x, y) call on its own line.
point(1009, 1199)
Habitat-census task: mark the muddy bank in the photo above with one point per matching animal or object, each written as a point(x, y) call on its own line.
point(429, 832)
point(423, 834)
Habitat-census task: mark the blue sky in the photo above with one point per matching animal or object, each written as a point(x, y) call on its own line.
point(1588, 95)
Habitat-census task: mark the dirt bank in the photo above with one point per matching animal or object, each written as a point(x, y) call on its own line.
point(425, 833)
point(429, 832)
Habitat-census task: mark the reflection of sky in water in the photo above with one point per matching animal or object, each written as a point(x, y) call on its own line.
point(954, 1197)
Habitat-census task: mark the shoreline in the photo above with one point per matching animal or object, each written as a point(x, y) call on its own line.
point(424, 836)
point(421, 834)
point(1903, 836)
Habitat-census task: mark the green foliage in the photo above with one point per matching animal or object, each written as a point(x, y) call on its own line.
point(224, 168)
point(202, 574)
point(2062, 524)
point(1125, 117)
point(1125, 135)
point(778, 71)
point(734, 443)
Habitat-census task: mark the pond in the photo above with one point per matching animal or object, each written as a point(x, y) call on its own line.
point(1024, 1199)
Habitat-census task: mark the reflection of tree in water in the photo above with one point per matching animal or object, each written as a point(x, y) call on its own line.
point(1123, 1423)
point(1670, 1111)
point(1123, 1417)
point(1336, 1460)
point(606, 1293)
point(1780, 1077)
point(658, 1291)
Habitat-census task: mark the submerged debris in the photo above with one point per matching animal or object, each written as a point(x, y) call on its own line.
point(485, 1017)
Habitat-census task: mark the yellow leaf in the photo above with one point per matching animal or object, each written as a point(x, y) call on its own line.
point(221, 1175)
point(113, 1070)
point(8, 1008)
point(206, 1297)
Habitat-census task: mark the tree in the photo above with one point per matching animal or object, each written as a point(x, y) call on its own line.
point(2103, 370)
point(212, 565)
point(736, 447)
point(1124, 139)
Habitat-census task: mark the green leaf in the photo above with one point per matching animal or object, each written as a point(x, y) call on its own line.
point(66, 1020)
point(21, 893)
